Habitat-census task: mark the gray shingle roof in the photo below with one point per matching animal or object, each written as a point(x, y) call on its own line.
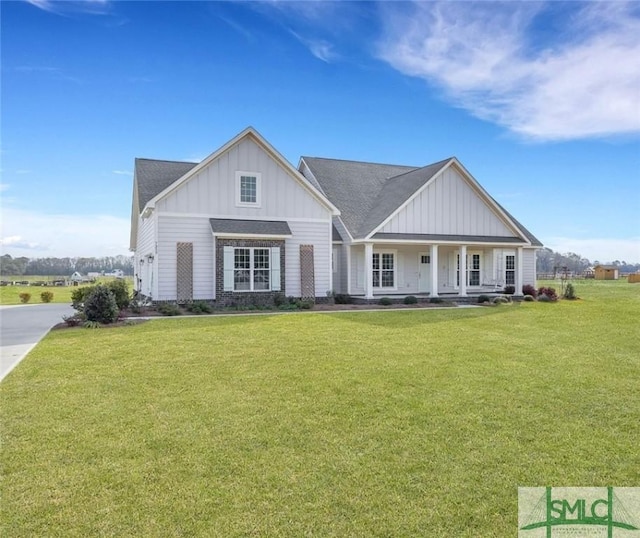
point(367, 193)
point(353, 186)
point(250, 227)
point(395, 192)
point(153, 176)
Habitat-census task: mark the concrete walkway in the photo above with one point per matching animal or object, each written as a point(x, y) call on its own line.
point(22, 327)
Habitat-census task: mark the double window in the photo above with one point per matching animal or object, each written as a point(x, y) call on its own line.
point(251, 269)
point(384, 270)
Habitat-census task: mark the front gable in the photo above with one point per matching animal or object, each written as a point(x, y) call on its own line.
point(450, 204)
point(219, 184)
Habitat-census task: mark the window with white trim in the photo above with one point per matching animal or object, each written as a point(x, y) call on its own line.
point(510, 269)
point(248, 189)
point(384, 270)
point(251, 269)
point(473, 270)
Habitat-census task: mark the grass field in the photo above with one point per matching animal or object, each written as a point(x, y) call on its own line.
point(10, 295)
point(412, 423)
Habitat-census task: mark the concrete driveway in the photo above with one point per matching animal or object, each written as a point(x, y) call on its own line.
point(22, 327)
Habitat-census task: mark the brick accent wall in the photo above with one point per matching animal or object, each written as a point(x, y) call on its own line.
point(232, 298)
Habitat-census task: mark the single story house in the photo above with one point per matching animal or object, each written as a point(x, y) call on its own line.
point(245, 224)
point(606, 272)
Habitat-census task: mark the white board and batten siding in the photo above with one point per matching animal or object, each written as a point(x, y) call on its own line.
point(317, 234)
point(449, 205)
point(174, 230)
point(529, 266)
point(183, 216)
point(212, 191)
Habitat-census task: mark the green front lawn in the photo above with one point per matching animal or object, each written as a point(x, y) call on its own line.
point(412, 423)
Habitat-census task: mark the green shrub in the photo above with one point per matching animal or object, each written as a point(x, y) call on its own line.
point(101, 305)
point(24, 297)
point(500, 300)
point(169, 309)
point(279, 299)
point(436, 300)
point(120, 290)
point(306, 304)
point(91, 325)
point(570, 292)
point(199, 307)
point(46, 296)
point(410, 299)
point(288, 306)
point(484, 299)
point(528, 298)
point(509, 290)
point(385, 301)
point(343, 298)
point(79, 296)
point(542, 298)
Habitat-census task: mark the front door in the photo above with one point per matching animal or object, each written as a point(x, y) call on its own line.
point(424, 272)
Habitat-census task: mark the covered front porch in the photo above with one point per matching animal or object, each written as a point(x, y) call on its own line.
point(455, 270)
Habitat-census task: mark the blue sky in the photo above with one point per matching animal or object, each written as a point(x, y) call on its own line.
point(539, 101)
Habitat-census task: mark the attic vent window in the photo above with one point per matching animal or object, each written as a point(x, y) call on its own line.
point(248, 187)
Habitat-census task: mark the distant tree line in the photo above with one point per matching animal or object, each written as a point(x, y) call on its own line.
point(548, 261)
point(63, 266)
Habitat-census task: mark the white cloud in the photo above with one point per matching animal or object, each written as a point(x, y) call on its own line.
point(321, 49)
point(603, 250)
point(59, 7)
point(25, 232)
point(584, 84)
point(15, 241)
point(123, 172)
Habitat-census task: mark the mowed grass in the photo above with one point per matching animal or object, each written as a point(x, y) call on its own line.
point(411, 423)
point(10, 295)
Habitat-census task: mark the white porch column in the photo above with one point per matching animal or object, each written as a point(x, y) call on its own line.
point(463, 271)
point(519, 271)
point(368, 270)
point(434, 270)
point(348, 250)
